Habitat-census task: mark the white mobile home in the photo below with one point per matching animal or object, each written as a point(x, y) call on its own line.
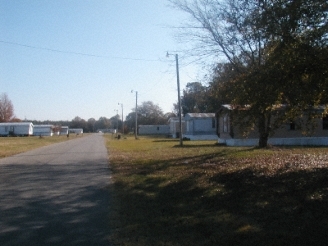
point(63, 130)
point(174, 124)
point(200, 126)
point(154, 130)
point(16, 129)
point(76, 131)
point(43, 130)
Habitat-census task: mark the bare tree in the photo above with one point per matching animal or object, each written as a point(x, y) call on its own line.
point(217, 29)
point(6, 108)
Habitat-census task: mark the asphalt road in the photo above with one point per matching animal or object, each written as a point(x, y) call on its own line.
point(56, 195)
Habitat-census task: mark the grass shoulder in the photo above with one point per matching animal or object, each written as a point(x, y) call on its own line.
point(204, 194)
point(14, 145)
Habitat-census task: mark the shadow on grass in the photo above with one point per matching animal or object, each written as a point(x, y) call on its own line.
point(194, 145)
point(166, 140)
point(235, 208)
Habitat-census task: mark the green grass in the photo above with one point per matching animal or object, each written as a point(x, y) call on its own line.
point(14, 145)
point(203, 194)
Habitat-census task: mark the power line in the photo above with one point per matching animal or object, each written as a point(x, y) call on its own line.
point(78, 53)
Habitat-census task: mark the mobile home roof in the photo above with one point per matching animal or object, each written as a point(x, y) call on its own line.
point(15, 123)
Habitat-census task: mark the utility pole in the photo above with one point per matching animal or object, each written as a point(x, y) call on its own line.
point(179, 99)
point(136, 117)
point(116, 130)
point(122, 118)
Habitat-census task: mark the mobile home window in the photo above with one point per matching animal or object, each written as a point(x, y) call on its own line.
point(225, 123)
point(292, 126)
point(325, 123)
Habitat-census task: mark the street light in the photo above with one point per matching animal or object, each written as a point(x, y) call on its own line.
point(136, 124)
point(116, 110)
point(122, 118)
point(179, 99)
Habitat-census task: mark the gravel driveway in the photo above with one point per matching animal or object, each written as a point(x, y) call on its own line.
point(56, 195)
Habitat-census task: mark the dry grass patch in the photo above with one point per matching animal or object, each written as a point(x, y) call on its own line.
point(14, 145)
point(203, 194)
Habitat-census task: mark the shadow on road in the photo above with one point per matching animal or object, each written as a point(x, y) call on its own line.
point(54, 204)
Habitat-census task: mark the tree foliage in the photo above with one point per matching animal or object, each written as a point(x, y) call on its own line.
point(6, 108)
point(78, 122)
point(91, 124)
point(116, 123)
point(103, 123)
point(193, 98)
point(272, 52)
point(148, 114)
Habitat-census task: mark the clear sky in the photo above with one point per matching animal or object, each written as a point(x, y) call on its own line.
point(65, 58)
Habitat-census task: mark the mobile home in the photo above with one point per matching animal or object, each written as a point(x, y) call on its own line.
point(174, 125)
point(63, 130)
point(154, 130)
point(76, 131)
point(231, 133)
point(200, 126)
point(43, 130)
point(16, 129)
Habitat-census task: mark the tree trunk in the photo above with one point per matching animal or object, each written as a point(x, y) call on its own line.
point(263, 141)
point(264, 129)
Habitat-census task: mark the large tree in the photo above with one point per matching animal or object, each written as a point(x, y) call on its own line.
point(78, 122)
point(102, 123)
point(6, 108)
point(193, 99)
point(148, 114)
point(275, 51)
point(91, 125)
point(116, 123)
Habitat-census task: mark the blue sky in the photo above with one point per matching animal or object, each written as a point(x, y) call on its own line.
point(65, 58)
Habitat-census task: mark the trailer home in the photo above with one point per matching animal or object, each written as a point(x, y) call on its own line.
point(64, 130)
point(290, 132)
point(174, 125)
point(43, 130)
point(154, 130)
point(200, 126)
point(16, 129)
point(76, 131)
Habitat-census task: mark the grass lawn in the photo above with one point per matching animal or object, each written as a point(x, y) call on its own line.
point(15, 145)
point(204, 194)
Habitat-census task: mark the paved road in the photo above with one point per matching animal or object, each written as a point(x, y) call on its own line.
point(56, 195)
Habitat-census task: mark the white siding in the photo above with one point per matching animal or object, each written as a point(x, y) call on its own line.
point(153, 130)
point(16, 128)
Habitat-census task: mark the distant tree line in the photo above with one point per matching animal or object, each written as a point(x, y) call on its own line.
point(148, 113)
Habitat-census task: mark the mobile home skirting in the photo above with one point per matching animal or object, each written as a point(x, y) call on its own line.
point(303, 141)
